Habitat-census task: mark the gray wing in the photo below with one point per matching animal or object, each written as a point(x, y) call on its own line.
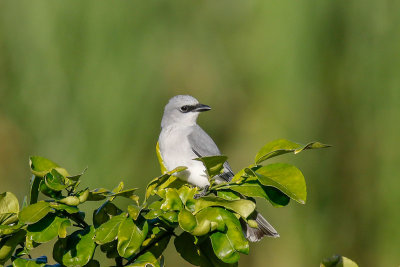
point(203, 146)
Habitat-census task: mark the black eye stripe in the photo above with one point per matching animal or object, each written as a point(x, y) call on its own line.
point(187, 108)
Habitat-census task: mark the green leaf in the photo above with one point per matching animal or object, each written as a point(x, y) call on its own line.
point(8, 245)
point(187, 221)
point(108, 231)
point(34, 192)
point(70, 200)
point(83, 196)
point(9, 229)
point(35, 212)
point(160, 160)
point(41, 166)
point(283, 146)
point(147, 259)
point(9, 208)
point(156, 182)
point(130, 237)
point(55, 181)
point(185, 192)
point(98, 194)
point(67, 208)
point(75, 178)
point(19, 262)
point(104, 212)
point(134, 211)
point(228, 194)
point(209, 219)
point(285, 177)
point(197, 254)
point(46, 229)
point(48, 191)
point(338, 261)
point(75, 250)
point(227, 245)
point(172, 200)
point(157, 242)
point(62, 231)
point(243, 207)
point(214, 164)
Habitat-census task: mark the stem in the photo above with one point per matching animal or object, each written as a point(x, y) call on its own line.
point(118, 261)
point(148, 247)
point(75, 217)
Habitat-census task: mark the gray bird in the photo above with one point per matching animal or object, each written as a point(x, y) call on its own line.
point(181, 141)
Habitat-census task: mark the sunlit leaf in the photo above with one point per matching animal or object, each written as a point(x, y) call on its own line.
point(46, 229)
point(35, 212)
point(147, 259)
point(55, 181)
point(133, 211)
point(172, 200)
point(40, 262)
point(70, 200)
point(41, 166)
point(214, 164)
point(283, 146)
point(75, 250)
point(67, 208)
point(9, 208)
point(130, 237)
point(108, 231)
point(243, 207)
point(187, 221)
point(285, 177)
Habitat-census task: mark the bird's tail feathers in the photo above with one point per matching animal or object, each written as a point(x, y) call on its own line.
point(264, 229)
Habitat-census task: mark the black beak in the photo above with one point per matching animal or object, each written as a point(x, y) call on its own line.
point(201, 108)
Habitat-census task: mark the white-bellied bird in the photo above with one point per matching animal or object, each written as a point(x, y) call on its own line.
point(181, 141)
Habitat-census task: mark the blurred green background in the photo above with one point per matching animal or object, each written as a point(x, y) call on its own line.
point(84, 83)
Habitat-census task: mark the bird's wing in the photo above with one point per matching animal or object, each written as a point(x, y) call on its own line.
point(203, 146)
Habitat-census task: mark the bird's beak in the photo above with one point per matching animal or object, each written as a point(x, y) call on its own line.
point(201, 108)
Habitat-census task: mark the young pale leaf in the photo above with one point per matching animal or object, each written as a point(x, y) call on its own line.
point(62, 231)
point(160, 160)
point(338, 261)
point(9, 207)
point(39, 262)
point(283, 146)
point(227, 245)
point(185, 192)
point(285, 177)
point(34, 213)
point(10, 229)
point(46, 229)
point(187, 221)
point(130, 237)
point(243, 207)
point(172, 200)
point(134, 211)
point(147, 259)
point(70, 200)
point(214, 164)
point(156, 182)
point(41, 166)
point(75, 250)
point(108, 231)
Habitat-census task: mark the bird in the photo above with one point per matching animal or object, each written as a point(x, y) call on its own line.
point(182, 140)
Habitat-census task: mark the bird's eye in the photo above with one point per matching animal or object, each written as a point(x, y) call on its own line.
point(185, 109)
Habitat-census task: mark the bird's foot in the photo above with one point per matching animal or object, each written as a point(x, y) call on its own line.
point(202, 192)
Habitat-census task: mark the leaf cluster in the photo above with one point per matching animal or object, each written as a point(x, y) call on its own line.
point(207, 230)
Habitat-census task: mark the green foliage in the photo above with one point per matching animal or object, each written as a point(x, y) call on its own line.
point(207, 231)
point(338, 261)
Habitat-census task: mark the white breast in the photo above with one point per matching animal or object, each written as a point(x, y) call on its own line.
point(176, 151)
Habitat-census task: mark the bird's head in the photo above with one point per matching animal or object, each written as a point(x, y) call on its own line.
point(182, 110)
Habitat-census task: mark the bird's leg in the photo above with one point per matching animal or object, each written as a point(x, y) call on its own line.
point(202, 192)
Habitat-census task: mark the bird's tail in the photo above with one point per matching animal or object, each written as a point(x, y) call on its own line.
point(263, 229)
